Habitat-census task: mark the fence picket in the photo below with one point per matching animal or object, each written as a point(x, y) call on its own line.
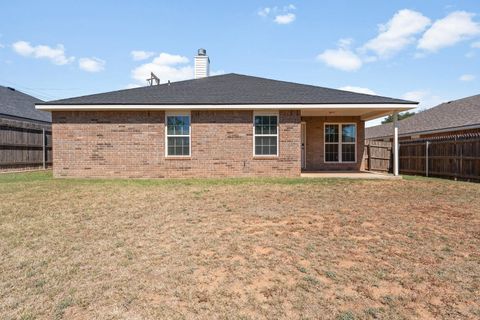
point(24, 144)
point(454, 157)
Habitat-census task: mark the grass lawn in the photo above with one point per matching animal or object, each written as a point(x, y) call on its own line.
point(238, 249)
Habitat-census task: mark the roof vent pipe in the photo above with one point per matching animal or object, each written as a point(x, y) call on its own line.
point(202, 64)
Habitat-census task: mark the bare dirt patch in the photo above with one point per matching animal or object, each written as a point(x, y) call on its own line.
point(249, 249)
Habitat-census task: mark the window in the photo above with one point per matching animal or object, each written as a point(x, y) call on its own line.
point(265, 135)
point(340, 142)
point(178, 135)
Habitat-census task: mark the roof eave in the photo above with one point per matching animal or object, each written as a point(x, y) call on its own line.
point(403, 106)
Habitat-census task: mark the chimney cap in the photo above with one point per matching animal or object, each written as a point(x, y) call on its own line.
point(202, 52)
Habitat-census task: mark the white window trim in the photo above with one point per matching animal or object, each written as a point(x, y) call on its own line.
point(340, 142)
point(266, 113)
point(178, 113)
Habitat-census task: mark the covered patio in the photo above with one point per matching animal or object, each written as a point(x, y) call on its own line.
point(333, 138)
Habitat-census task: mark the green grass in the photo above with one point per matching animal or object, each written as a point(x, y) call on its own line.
point(38, 176)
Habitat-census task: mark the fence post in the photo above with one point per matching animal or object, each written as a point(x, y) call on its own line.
point(461, 160)
point(44, 149)
point(426, 158)
point(396, 147)
point(369, 155)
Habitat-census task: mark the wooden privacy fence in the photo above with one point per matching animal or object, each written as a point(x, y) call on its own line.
point(378, 156)
point(456, 157)
point(24, 145)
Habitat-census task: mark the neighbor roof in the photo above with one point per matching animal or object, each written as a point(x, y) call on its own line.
point(16, 104)
point(453, 115)
point(228, 89)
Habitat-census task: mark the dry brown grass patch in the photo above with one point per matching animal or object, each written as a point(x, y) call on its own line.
point(248, 249)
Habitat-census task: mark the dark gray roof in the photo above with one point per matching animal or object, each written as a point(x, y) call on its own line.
point(230, 89)
point(16, 104)
point(451, 115)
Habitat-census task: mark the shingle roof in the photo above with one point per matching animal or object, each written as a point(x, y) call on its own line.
point(450, 115)
point(14, 103)
point(230, 89)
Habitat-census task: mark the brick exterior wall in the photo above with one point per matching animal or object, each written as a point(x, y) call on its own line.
point(315, 144)
point(131, 144)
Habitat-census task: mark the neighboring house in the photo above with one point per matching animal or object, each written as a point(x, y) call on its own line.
point(17, 105)
point(451, 118)
point(228, 125)
point(24, 131)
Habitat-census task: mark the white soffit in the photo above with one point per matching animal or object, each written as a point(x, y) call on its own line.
point(311, 107)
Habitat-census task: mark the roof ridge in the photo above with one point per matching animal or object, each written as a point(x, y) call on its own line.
point(321, 87)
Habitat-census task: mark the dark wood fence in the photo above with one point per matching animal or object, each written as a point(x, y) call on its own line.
point(378, 156)
point(454, 157)
point(24, 145)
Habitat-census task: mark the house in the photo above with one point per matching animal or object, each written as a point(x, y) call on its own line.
point(451, 118)
point(228, 125)
point(24, 131)
point(17, 105)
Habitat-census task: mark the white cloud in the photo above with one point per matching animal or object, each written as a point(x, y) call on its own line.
point(138, 55)
point(132, 86)
point(285, 18)
point(281, 15)
point(415, 95)
point(397, 33)
point(358, 89)
point(166, 66)
point(455, 27)
point(264, 12)
point(341, 58)
point(425, 98)
point(91, 64)
point(476, 45)
point(345, 42)
point(467, 77)
point(55, 55)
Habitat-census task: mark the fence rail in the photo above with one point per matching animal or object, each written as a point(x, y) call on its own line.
point(24, 144)
point(454, 157)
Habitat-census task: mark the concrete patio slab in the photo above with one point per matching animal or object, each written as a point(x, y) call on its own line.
point(351, 175)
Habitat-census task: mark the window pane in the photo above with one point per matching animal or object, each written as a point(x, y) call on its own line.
point(331, 133)
point(265, 124)
point(178, 146)
point(348, 152)
point(178, 125)
point(348, 133)
point(266, 145)
point(331, 152)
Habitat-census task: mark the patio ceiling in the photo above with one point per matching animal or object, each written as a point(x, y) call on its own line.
point(365, 112)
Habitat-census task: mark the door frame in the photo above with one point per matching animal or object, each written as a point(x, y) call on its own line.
point(303, 145)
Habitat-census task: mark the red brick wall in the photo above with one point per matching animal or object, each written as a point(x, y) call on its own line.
point(131, 144)
point(315, 141)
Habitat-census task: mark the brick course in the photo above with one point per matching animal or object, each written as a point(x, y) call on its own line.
point(131, 144)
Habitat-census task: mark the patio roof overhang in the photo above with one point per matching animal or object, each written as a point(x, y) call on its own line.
point(365, 111)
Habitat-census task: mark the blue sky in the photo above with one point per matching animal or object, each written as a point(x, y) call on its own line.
point(423, 50)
